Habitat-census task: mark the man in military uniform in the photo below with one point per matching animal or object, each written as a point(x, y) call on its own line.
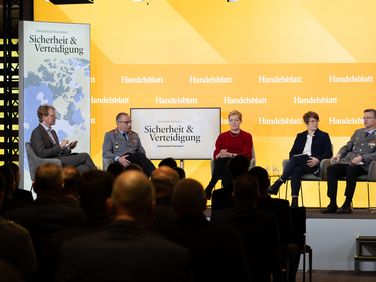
point(352, 160)
point(123, 145)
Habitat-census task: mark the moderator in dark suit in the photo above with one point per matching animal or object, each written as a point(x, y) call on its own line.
point(124, 251)
point(44, 147)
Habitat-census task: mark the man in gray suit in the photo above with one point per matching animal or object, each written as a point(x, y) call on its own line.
point(123, 145)
point(352, 160)
point(45, 142)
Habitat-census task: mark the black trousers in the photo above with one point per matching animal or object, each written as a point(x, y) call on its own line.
point(221, 171)
point(338, 171)
point(141, 159)
point(296, 167)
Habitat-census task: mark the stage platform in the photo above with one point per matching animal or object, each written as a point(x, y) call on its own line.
point(332, 238)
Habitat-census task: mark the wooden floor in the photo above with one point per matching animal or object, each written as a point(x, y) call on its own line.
point(335, 275)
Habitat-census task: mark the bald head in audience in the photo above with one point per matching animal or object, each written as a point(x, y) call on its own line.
point(49, 180)
point(132, 197)
point(164, 179)
point(188, 197)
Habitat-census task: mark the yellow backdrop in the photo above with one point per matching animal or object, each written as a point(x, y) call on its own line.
point(272, 60)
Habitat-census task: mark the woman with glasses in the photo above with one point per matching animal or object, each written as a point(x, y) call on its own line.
point(310, 147)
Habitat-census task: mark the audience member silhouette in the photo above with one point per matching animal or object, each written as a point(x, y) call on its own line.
point(71, 186)
point(48, 214)
point(20, 197)
point(259, 229)
point(115, 169)
point(15, 243)
point(95, 188)
point(217, 251)
point(164, 179)
point(125, 250)
point(168, 162)
point(278, 207)
point(222, 198)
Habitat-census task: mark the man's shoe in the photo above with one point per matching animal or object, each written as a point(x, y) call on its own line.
point(275, 187)
point(344, 209)
point(330, 209)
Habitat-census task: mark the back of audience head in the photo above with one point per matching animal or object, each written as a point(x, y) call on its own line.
point(49, 180)
point(95, 189)
point(164, 179)
point(189, 197)
point(132, 197)
point(133, 166)
point(71, 181)
point(246, 190)
point(238, 165)
point(180, 171)
point(10, 181)
point(115, 168)
point(262, 176)
point(168, 162)
point(16, 172)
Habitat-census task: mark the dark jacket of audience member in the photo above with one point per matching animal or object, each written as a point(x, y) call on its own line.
point(217, 251)
point(47, 214)
point(95, 188)
point(259, 229)
point(13, 197)
point(125, 250)
point(278, 207)
point(15, 243)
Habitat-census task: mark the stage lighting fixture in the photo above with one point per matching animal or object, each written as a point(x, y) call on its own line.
point(145, 1)
point(61, 2)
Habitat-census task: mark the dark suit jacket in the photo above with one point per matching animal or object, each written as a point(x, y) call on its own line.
point(280, 208)
point(123, 251)
point(321, 145)
point(259, 230)
point(45, 217)
point(42, 144)
point(217, 251)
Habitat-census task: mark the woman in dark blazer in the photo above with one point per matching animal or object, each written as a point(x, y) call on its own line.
point(310, 147)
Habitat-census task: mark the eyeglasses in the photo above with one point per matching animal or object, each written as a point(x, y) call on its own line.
point(313, 121)
point(51, 115)
point(125, 121)
point(368, 117)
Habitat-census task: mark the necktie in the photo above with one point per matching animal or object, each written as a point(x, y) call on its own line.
point(125, 135)
point(49, 131)
point(366, 134)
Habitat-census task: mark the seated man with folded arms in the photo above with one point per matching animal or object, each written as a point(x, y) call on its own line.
point(124, 146)
point(352, 160)
point(45, 142)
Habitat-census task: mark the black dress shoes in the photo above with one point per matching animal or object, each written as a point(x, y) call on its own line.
point(344, 209)
point(330, 209)
point(275, 187)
